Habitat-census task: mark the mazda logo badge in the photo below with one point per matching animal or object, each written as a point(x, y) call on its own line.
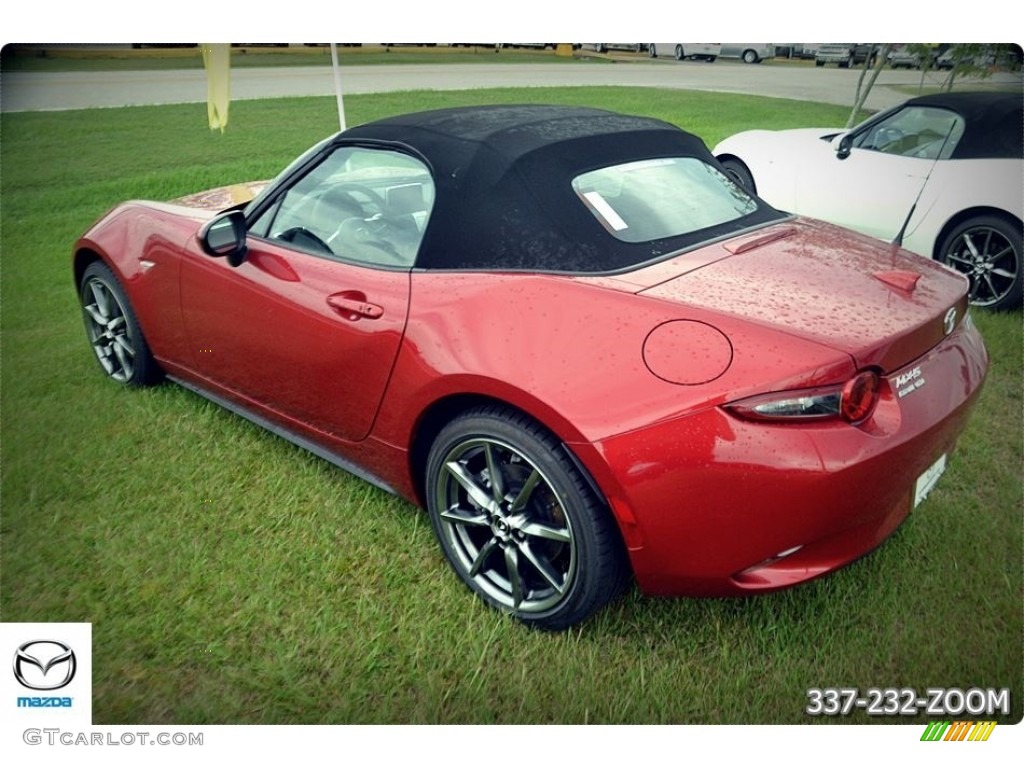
point(949, 321)
point(44, 665)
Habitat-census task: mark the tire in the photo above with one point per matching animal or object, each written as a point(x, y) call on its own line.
point(819, 63)
point(987, 250)
point(652, 51)
point(113, 329)
point(538, 543)
point(738, 172)
point(679, 53)
point(711, 59)
point(750, 57)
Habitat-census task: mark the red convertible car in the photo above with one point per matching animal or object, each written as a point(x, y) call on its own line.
point(570, 336)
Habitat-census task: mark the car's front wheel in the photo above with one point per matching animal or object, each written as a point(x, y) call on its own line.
point(750, 57)
point(113, 329)
point(739, 173)
point(519, 522)
point(987, 249)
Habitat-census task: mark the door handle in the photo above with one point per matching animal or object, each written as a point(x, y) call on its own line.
point(353, 305)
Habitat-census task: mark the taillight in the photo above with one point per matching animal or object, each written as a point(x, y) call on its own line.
point(853, 402)
point(860, 394)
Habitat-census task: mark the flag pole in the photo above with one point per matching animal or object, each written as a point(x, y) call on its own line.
point(337, 85)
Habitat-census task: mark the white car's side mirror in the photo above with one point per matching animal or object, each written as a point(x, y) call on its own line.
point(842, 144)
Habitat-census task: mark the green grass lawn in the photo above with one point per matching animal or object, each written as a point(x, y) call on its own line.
point(233, 578)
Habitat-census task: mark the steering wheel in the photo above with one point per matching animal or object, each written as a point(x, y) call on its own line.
point(888, 139)
point(351, 190)
point(303, 238)
point(359, 234)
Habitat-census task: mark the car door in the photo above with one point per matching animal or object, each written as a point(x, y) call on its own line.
point(308, 326)
point(871, 182)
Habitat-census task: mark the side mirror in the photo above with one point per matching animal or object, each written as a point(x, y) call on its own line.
point(224, 235)
point(843, 144)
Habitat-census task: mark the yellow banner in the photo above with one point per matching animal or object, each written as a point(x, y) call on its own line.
point(217, 61)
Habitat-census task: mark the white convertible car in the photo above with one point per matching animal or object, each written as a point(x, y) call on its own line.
point(943, 175)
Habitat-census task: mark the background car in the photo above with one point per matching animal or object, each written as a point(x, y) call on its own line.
point(750, 53)
point(684, 51)
point(902, 57)
point(796, 50)
point(980, 56)
point(605, 47)
point(845, 54)
point(942, 172)
point(566, 333)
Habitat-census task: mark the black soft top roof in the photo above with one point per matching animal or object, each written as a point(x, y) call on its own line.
point(503, 180)
point(994, 122)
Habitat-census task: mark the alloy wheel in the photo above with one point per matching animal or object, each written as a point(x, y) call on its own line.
point(109, 330)
point(505, 526)
point(989, 260)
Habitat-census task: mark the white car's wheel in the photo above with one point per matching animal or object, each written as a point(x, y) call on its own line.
point(738, 172)
point(987, 249)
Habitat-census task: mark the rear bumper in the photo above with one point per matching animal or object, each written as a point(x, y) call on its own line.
point(708, 502)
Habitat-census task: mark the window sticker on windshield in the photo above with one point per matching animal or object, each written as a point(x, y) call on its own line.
point(605, 211)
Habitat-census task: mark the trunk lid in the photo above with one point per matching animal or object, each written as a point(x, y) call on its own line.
point(882, 305)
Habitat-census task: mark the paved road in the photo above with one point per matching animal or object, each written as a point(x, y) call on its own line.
point(32, 91)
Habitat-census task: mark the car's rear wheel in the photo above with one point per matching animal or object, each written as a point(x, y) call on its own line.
point(750, 56)
point(679, 53)
point(739, 173)
point(987, 249)
point(113, 329)
point(519, 522)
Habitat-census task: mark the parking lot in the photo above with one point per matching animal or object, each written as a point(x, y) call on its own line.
point(32, 91)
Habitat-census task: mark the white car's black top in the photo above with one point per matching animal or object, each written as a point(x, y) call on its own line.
point(993, 123)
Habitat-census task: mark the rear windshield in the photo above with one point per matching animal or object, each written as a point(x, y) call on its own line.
point(662, 198)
